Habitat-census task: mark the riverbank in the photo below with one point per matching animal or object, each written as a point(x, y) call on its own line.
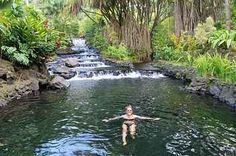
point(224, 92)
point(16, 82)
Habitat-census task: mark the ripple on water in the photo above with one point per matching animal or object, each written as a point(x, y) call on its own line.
point(82, 144)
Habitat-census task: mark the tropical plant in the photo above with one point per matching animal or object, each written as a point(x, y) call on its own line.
point(223, 39)
point(119, 52)
point(216, 66)
point(28, 38)
point(203, 31)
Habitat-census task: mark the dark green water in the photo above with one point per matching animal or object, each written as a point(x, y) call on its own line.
point(70, 122)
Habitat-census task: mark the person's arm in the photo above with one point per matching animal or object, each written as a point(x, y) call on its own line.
point(146, 118)
point(112, 119)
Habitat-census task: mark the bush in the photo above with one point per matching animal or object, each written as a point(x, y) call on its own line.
point(69, 26)
point(27, 38)
point(119, 52)
point(216, 66)
point(203, 31)
point(161, 35)
point(223, 39)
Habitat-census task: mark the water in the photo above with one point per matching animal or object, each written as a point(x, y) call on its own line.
point(64, 123)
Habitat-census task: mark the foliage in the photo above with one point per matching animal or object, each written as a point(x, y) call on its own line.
point(52, 7)
point(161, 35)
point(203, 31)
point(223, 39)
point(119, 52)
point(216, 66)
point(27, 38)
point(103, 39)
point(185, 42)
point(69, 26)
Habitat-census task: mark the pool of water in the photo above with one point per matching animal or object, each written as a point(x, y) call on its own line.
point(64, 123)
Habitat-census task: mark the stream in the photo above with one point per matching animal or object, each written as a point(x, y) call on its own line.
point(69, 122)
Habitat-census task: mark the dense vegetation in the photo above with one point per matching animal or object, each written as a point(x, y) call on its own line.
point(26, 35)
point(201, 34)
point(166, 30)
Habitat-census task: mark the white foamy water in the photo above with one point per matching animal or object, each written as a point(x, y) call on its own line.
point(131, 75)
point(91, 67)
point(89, 61)
point(79, 42)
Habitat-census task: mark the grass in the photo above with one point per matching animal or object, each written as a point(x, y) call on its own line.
point(217, 66)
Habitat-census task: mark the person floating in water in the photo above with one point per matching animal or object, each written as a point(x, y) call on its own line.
point(129, 123)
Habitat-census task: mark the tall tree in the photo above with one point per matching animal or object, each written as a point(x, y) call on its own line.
point(188, 13)
point(134, 22)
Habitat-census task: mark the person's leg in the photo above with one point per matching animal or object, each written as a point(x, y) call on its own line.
point(124, 133)
point(132, 129)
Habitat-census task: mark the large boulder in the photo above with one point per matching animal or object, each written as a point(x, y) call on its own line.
point(71, 62)
point(228, 95)
point(59, 82)
point(198, 85)
point(64, 72)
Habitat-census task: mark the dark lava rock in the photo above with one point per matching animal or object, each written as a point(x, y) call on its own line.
point(59, 82)
point(60, 70)
point(68, 75)
point(198, 85)
point(71, 62)
point(64, 72)
point(214, 90)
point(228, 95)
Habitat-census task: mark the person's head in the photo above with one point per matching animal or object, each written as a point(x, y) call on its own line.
point(129, 110)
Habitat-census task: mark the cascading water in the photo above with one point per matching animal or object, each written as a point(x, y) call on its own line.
point(91, 66)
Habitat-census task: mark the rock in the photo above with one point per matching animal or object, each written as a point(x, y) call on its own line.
point(10, 77)
point(43, 83)
point(65, 72)
point(227, 95)
point(59, 70)
point(71, 62)
point(68, 75)
point(59, 82)
point(35, 85)
point(2, 102)
point(214, 90)
point(3, 74)
point(198, 85)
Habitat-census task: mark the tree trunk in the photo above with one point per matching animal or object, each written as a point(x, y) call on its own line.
point(178, 18)
point(228, 14)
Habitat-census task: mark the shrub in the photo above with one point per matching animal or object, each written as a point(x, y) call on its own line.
point(161, 35)
point(223, 39)
point(203, 31)
point(216, 66)
point(69, 26)
point(28, 38)
point(119, 52)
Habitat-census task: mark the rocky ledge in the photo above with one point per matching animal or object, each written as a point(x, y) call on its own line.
point(16, 82)
point(223, 91)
